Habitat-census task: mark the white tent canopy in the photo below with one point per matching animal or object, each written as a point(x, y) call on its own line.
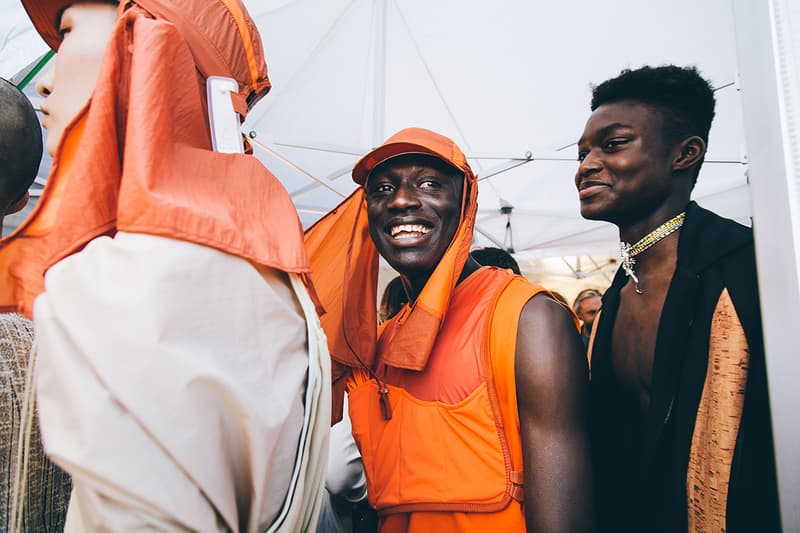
point(508, 80)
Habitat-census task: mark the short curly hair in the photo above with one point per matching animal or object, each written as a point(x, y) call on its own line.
point(681, 94)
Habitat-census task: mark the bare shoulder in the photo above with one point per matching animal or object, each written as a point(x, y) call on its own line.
point(548, 343)
point(544, 313)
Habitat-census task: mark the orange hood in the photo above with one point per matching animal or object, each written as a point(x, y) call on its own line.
point(344, 265)
point(221, 36)
point(138, 157)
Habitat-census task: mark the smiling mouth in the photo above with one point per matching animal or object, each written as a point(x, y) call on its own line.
point(588, 189)
point(401, 232)
point(589, 184)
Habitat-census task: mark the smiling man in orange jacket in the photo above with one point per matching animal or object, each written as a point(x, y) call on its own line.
point(468, 405)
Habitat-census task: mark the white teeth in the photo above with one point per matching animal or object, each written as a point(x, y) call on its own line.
point(408, 228)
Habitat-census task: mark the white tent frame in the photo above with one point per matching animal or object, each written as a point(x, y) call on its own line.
point(771, 105)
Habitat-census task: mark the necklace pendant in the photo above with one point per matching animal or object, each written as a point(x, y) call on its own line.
point(628, 251)
point(627, 261)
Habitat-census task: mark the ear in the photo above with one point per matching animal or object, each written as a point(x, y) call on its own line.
point(18, 205)
point(690, 152)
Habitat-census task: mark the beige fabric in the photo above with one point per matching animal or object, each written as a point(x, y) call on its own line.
point(718, 418)
point(45, 487)
point(303, 505)
point(171, 385)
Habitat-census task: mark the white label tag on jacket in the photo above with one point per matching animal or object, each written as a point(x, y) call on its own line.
point(226, 136)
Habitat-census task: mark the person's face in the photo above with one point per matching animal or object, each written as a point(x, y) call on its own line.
point(68, 84)
point(413, 212)
point(625, 159)
point(588, 310)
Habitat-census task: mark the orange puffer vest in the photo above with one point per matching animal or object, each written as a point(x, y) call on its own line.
point(453, 440)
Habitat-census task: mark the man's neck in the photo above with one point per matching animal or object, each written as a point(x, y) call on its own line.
point(632, 232)
point(658, 261)
point(662, 256)
point(414, 286)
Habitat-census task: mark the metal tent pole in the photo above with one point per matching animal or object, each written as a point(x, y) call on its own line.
point(379, 95)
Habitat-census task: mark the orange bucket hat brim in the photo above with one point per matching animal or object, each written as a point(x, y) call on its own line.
point(45, 15)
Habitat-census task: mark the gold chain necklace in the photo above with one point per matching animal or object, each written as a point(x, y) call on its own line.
point(628, 252)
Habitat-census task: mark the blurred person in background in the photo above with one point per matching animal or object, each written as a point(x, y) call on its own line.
point(498, 257)
point(393, 299)
point(586, 305)
point(46, 487)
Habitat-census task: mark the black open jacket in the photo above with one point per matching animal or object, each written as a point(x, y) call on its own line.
point(640, 472)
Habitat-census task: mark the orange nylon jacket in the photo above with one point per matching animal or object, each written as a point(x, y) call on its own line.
point(450, 458)
point(138, 157)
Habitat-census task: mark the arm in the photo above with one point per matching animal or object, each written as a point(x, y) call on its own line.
point(552, 381)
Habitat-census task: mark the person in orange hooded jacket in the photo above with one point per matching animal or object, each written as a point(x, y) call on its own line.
point(181, 366)
point(468, 405)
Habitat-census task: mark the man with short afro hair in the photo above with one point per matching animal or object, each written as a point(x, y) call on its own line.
point(680, 421)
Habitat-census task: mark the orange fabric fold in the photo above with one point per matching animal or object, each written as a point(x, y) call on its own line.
point(138, 158)
point(345, 267)
point(340, 249)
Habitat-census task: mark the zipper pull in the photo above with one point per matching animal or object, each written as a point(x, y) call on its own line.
point(383, 397)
